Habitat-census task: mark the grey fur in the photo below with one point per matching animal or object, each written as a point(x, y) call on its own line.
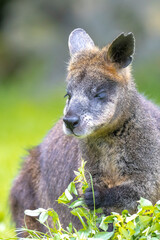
point(118, 134)
point(79, 40)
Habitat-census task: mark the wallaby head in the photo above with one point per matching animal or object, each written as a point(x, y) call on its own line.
point(99, 83)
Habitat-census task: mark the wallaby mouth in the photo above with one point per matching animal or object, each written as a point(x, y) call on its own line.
point(71, 127)
point(71, 122)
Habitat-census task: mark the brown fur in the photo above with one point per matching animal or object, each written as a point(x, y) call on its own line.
point(93, 62)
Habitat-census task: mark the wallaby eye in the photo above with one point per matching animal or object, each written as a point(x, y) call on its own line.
point(100, 95)
point(67, 95)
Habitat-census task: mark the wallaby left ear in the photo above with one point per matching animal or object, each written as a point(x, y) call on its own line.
point(121, 50)
point(79, 40)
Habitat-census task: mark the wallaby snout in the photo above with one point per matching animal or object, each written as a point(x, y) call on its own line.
point(71, 122)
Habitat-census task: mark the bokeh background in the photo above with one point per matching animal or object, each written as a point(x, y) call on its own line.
point(33, 60)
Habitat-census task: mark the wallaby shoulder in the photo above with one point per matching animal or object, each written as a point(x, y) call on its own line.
point(152, 109)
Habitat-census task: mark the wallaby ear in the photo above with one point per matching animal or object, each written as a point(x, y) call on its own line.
point(78, 41)
point(121, 50)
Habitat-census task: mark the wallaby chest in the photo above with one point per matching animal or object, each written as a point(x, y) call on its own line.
point(106, 161)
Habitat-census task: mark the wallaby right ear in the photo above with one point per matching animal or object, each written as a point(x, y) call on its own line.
point(121, 50)
point(79, 40)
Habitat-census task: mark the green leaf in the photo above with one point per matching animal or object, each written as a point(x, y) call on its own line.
point(81, 211)
point(76, 173)
point(124, 232)
point(158, 207)
point(109, 219)
point(57, 236)
point(154, 238)
point(63, 199)
point(157, 215)
point(81, 220)
point(125, 212)
point(131, 227)
point(72, 188)
point(84, 187)
point(85, 233)
point(103, 226)
point(155, 227)
point(76, 203)
point(158, 203)
point(99, 210)
point(144, 221)
point(69, 228)
point(68, 195)
point(137, 230)
point(103, 235)
point(144, 202)
point(34, 213)
point(79, 178)
point(104, 223)
point(43, 217)
point(54, 215)
point(131, 218)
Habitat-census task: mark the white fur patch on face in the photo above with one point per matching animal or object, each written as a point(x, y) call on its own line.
point(66, 130)
point(65, 108)
point(94, 114)
point(105, 118)
point(107, 114)
point(87, 119)
point(89, 123)
point(83, 129)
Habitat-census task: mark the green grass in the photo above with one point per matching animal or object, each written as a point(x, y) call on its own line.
point(24, 123)
point(147, 76)
point(26, 116)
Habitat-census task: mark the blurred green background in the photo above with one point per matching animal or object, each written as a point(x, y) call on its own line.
point(33, 60)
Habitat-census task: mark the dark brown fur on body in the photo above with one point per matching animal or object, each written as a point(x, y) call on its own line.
point(111, 126)
point(41, 182)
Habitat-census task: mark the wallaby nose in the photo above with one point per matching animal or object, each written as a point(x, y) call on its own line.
point(71, 122)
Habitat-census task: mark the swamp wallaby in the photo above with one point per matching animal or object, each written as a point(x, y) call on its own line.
point(108, 124)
